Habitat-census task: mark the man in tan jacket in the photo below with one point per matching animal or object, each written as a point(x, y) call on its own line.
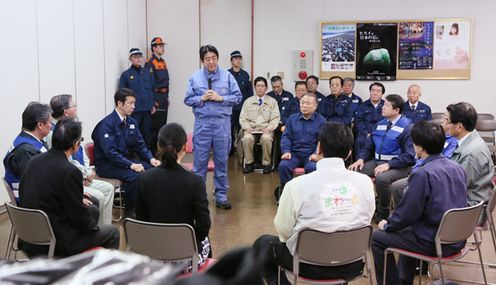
point(259, 118)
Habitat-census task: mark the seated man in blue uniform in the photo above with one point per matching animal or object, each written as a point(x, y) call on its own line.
point(338, 106)
point(282, 96)
point(348, 86)
point(312, 86)
point(434, 187)
point(36, 125)
point(388, 153)
point(212, 92)
point(141, 81)
point(293, 105)
point(368, 114)
point(299, 139)
point(120, 151)
point(54, 185)
point(413, 108)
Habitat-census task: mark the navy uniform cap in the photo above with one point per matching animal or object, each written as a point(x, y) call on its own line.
point(134, 51)
point(236, 53)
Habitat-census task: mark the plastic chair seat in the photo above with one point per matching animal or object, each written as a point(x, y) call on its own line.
point(298, 171)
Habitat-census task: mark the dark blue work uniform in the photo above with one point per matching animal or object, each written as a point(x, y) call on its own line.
point(290, 108)
point(365, 120)
point(321, 108)
point(435, 187)
point(282, 98)
point(243, 79)
point(388, 143)
point(119, 144)
point(338, 109)
point(24, 147)
point(141, 81)
point(356, 101)
point(422, 112)
point(300, 139)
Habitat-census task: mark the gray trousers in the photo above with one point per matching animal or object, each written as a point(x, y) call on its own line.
point(397, 189)
point(383, 183)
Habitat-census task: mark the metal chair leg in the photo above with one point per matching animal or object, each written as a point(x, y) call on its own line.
point(10, 244)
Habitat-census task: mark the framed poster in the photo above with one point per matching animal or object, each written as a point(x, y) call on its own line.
point(390, 50)
point(452, 44)
point(338, 48)
point(338, 53)
point(377, 47)
point(415, 45)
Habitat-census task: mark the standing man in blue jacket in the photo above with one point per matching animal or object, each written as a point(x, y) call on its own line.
point(368, 114)
point(293, 105)
point(141, 81)
point(312, 86)
point(244, 84)
point(356, 101)
point(413, 108)
point(282, 96)
point(212, 92)
point(120, 151)
point(338, 106)
point(388, 153)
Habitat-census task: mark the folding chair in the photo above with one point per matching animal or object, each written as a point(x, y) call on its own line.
point(487, 129)
point(10, 193)
point(165, 242)
point(456, 226)
point(31, 226)
point(488, 211)
point(330, 249)
point(189, 149)
point(437, 116)
point(90, 148)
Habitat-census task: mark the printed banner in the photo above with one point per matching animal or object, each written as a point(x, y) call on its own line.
point(452, 44)
point(338, 47)
point(376, 51)
point(416, 39)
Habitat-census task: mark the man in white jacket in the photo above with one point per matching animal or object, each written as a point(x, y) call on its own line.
point(329, 199)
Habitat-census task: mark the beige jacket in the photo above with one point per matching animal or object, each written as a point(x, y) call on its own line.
point(259, 117)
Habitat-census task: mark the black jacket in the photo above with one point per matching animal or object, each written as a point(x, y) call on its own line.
point(174, 195)
point(54, 185)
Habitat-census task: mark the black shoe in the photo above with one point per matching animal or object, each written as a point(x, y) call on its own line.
point(226, 205)
point(248, 168)
point(267, 169)
point(223, 205)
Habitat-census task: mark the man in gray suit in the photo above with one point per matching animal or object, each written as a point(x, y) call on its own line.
point(472, 152)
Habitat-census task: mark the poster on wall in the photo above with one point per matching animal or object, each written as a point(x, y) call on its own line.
point(376, 51)
point(338, 47)
point(452, 44)
point(415, 45)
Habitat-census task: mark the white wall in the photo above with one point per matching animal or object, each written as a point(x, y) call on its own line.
point(177, 22)
point(78, 47)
